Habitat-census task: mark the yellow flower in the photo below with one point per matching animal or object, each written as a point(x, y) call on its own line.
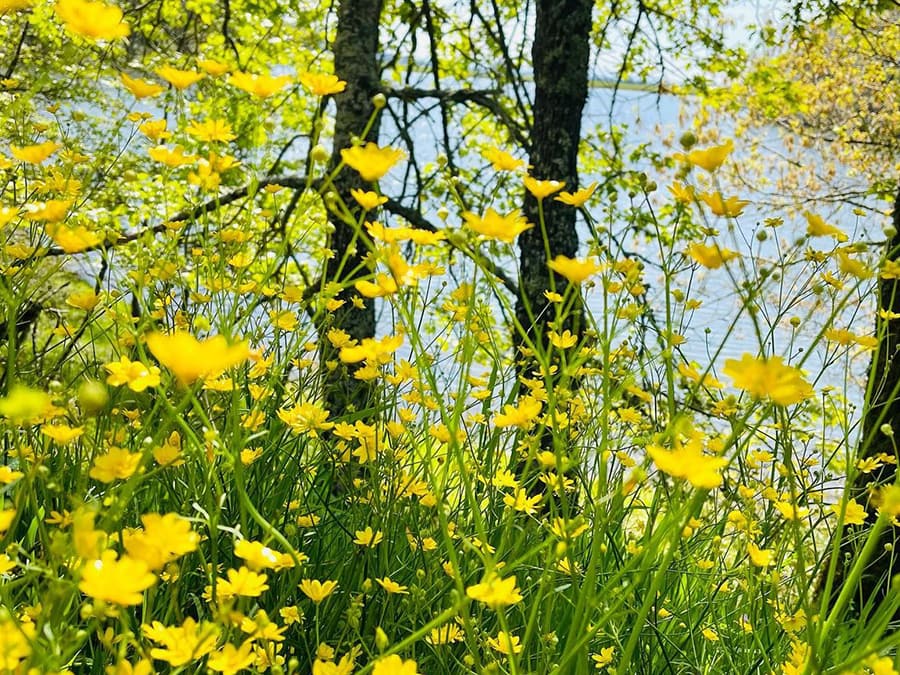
point(191, 359)
point(495, 592)
point(444, 635)
point(604, 658)
point(343, 667)
point(85, 300)
point(383, 286)
point(564, 340)
point(573, 269)
point(173, 158)
point(73, 239)
point(92, 20)
point(180, 79)
point(261, 86)
point(855, 513)
point(182, 644)
point(368, 537)
point(34, 154)
point(9, 475)
point(710, 634)
point(521, 415)
point(62, 433)
point(817, 227)
point(213, 67)
point(7, 6)
point(243, 582)
point(116, 464)
point(768, 378)
point(370, 349)
point(368, 200)
point(505, 643)
point(322, 84)
point(542, 188)
point(257, 556)
point(890, 269)
point(392, 586)
point(494, 226)
point(502, 161)
point(52, 211)
point(121, 582)
point(24, 404)
point(712, 257)
point(6, 519)
point(135, 374)
point(683, 194)
point(577, 198)
point(520, 501)
point(687, 461)
point(370, 161)
point(760, 557)
point(731, 207)
point(316, 590)
point(229, 659)
point(306, 417)
point(141, 88)
point(710, 158)
point(394, 665)
point(853, 267)
point(211, 131)
point(164, 538)
point(284, 320)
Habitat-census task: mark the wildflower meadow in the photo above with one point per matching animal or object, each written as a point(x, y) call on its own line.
point(265, 408)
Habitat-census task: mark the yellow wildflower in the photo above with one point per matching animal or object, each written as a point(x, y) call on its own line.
point(191, 359)
point(368, 537)
point(394, 665)
point(817, 227)
point(243, 582)
point(575, 270)
point(371, 161)
point(505, 643)
point(720, 206)
point(768, 378)
point(34, 154)
point(579, 197)
point(502, 161)
point(392, 586)
point(135, 374)
point(229, 659)
point(183, 644)
point(316, 590)
point(62, 433)
point(53, 211)
point(164, 538)
point(92, 20)
point(710, 256)
point(688, 461)
point(322, 84)
point(116, 464)
point(180, 79)
point(541, 189)
point(121, 582)
point(495, 592)
point(213, 130)
point(73, 239)
point(261, 86)
point(710, 158)
point(495, 226)
point(140, 88)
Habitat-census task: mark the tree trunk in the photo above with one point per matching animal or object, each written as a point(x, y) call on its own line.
point(883, 408)
point(560, 60)
point(355, 62)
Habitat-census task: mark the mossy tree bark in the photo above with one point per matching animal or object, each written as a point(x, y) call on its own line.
point(355, 62)
point(883, 408)
point(560, 55)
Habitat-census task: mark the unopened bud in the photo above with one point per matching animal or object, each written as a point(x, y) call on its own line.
point(887, 430)
point(379, 101)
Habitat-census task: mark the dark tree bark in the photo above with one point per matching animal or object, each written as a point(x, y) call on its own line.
point(355, 62)
point(560, 56)
point(560, 60)
point(883, 408)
